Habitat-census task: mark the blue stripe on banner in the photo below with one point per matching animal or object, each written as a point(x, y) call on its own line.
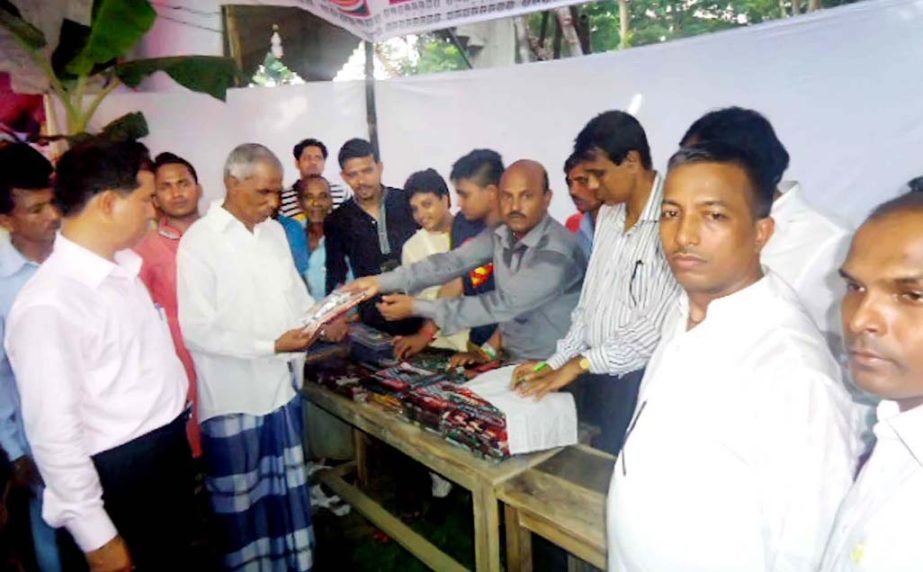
point(258, 486)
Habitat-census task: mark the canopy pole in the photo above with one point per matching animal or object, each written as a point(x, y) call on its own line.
point(371, 114)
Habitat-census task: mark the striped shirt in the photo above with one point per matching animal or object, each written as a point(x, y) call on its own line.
point(626, 294)
point(289, 203)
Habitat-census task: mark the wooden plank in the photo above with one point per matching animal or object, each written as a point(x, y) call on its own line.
point(518, 542)
point(581, 466)
point(360, 452)
point(550, 529)
point(423, 549)
point(486, 529)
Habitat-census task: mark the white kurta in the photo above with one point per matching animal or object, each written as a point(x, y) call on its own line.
point(238, 292)
point(742, 445)
point(879, 523)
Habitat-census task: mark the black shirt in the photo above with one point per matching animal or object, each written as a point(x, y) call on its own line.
point(478, 281)
point(351, 234)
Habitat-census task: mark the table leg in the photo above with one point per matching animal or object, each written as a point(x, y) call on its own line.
point(360, 447)
point(518, 543)
point(486, 529)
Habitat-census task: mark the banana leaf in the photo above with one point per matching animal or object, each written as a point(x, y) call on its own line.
point(206, 74)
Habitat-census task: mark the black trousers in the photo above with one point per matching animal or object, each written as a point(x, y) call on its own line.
point(148, 486)
point(608, 401)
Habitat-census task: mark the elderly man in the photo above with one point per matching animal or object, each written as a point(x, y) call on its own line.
point(878, 524)
point(538, 266)
point(103, 393)
point(240, 305)
point(741, 446)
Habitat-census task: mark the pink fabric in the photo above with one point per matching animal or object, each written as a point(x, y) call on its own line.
point(573, 222)
point(158, 272)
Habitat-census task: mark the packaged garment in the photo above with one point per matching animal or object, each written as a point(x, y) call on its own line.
point(371, 346)
point(329, 309)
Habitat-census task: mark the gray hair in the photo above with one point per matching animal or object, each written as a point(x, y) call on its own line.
point(243, 159)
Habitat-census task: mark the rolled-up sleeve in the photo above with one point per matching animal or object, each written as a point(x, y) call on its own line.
point(46, 359)
point(440, 268)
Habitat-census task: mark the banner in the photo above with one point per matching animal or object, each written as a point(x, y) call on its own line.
point(378, 20)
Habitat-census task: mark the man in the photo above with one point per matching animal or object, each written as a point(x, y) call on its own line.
point(628, 288)
point(741, 446)
point(28, 213)
point(538, 267)
point(310, 160)
point(584, 222)
point(876, 526)
point(177, 196)
point(431, 204)
point(807, 245)
point(369, 230)
point(476, 178)
point(241, 303)
point(103, 393)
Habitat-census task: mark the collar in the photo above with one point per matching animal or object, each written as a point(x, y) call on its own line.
point(221, 220)
point(736, 305)
point(906, 426)
point(531, 238)
point(651, 212)
point(12, 261)
point(167, 231)
point(91, 268)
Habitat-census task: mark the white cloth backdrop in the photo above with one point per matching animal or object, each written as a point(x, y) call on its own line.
point(203, 130)
point(842, 87)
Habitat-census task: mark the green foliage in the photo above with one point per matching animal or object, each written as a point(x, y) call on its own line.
point(273, 71)
point(207, 74)
point(118, 25)
point(436, 54)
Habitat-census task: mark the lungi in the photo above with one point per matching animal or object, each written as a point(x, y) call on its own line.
point(256, 479)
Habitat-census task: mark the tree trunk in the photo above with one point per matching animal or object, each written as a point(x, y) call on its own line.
point(521, 25)
point(569, 32)
point(814, 5)
point(796, 7)
point(624, 24)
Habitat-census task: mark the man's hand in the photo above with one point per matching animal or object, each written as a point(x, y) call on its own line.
point(464, 359)
point(367, 284)
point(295, 340)
point(525, 373)
point(408, 346)
point(112, 556)
point(335, 331)
point(25, 473)
point(396, 307)
point(553, 380)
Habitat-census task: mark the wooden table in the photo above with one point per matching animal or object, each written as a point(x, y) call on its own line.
point(480, 476)
point(562, 499)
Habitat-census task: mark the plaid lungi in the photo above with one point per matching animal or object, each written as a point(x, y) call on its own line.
point(256, 478)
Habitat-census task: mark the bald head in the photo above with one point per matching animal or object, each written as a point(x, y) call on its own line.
point(524, 196)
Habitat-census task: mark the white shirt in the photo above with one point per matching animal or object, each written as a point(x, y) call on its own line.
point(806, 250)
point(741, 447)
point(238, 292)
point(878, 525)
point(626, 294)
point(96, 368)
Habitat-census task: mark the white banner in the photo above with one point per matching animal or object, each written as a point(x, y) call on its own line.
point(377, 20)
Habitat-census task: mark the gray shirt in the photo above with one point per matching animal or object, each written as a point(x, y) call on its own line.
point(538, 283)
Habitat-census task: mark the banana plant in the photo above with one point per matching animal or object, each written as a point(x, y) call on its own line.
point(77, 51)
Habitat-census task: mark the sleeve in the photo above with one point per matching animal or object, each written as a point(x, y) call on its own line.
point(821, 288)
point(573, 343)
point(196, 291)
point(631, 345)
point(806, 459)
point(440, 268)
point(46, 357)
point(544, 279)
point(337, 268)
point(11, 438)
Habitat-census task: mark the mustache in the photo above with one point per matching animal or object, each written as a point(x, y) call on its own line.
point(515, 214)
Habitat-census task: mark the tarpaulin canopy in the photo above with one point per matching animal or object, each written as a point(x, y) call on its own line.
point(377, 20)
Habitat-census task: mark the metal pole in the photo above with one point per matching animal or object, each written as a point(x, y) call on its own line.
point(371, 115)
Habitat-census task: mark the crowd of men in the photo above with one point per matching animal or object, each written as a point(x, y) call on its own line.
point(726, 337)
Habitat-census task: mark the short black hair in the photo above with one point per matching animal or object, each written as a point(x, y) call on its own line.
point(427, 181)
point(91, 168)
point(915, 185)
point(167, 158)
point(571, 163)
point(21, 167)
point(718, 152)
point(744, 128)
point(483, 167)
point(356, 149)
point(309, 142)
point(302, 184)
point(615, 133)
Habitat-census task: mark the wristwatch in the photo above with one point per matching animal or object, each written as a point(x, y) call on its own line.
point(584, 364)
